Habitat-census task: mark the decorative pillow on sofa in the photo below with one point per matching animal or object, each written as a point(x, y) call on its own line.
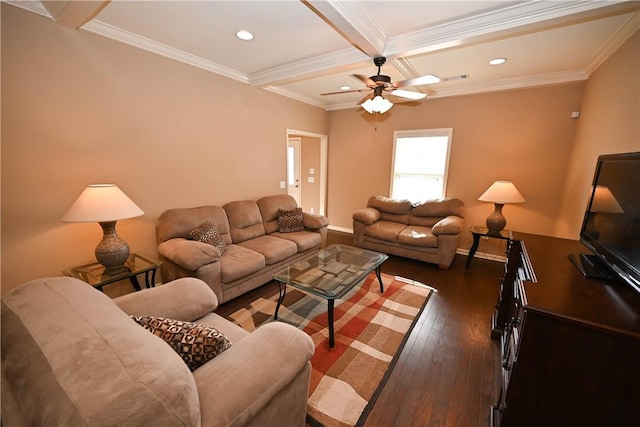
point(290, 220)
point(207, 233)
point(195, 343)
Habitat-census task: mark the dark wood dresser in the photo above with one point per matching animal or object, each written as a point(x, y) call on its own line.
point(570, 345)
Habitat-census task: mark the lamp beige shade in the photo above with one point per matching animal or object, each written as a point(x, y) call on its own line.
point(502, 192)
point(100, 203)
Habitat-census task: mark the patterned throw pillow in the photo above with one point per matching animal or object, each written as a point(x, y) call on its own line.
point(290, 220)
point(195, 343)
point(207, 233)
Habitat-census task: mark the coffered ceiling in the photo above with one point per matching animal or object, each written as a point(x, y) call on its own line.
point(302, 49)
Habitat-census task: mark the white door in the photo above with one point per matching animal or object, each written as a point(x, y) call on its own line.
point(293, 168)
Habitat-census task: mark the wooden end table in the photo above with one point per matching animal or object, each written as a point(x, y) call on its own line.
point(93, 272)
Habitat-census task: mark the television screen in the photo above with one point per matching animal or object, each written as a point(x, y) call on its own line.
point(611, 225)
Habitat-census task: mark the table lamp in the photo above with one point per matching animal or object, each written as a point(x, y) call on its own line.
point(500, 193)
point(105, 204)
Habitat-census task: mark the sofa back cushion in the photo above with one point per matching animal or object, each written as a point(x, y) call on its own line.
point(391, 209)
point(439, 208)
point(269, 207)
point(245, 221)
point(70, 356)
point(180, 222)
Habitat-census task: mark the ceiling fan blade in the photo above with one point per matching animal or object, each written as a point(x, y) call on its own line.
point(408, 94)
point(345, 91)
point(366, 80)
point(418, 81)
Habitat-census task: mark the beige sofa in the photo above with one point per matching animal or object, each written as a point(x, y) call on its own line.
point(427, 231)
point(71, 356)
point(255, 248)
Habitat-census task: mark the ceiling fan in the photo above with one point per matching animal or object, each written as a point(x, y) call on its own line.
point(374, 102)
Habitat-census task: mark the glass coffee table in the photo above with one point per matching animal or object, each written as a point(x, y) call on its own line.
point(330, 274)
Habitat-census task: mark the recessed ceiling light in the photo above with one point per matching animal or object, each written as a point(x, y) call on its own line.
point(244, 35)
point(345, 87)
point(498, 61)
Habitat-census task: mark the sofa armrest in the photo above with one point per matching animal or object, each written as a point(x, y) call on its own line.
point(314, 221)
point(186, 299)
point(236, 384)
point(188, 254)
point(448, 225)
point(367, 216)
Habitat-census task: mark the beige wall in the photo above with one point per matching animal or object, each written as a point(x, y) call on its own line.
point(609, 123)
point(522, 135)
point(78, 109)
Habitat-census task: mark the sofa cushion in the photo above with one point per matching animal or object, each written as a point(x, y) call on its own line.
point(195, 343)
point(238, 262)
point(392, 206)
point(418, 236)
point(304, 240)
point(180, 222)
point(367, 216)
point(439, 208)
point(207, 233)
point(274, 249)
point(188, 254)
point(245, 221)
point(290, 220)
point(57, 333)
point(385, 230)
point(269, 207)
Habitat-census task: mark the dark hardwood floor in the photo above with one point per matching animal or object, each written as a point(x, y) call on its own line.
point(448, 371)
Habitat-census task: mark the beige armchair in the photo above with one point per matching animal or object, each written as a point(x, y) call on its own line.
point(71, 356)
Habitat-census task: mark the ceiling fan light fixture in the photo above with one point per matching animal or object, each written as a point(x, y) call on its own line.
point(377, 105)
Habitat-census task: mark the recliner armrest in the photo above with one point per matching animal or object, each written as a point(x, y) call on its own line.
point(188, 254)
point(314, 221)
point(367, 216)
point(449, 225)
point(236, 384)
point(186, 299)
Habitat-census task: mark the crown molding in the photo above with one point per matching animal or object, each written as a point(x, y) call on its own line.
point(293, 95)
point(31, 6)
point(621, 36)
point(136, 40)
point(310, 67)
point(497, 24)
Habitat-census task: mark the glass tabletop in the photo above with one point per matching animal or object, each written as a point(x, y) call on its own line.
point(332, 272)
point(94, 273)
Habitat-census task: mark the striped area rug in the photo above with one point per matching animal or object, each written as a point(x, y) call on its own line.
point(370, 331)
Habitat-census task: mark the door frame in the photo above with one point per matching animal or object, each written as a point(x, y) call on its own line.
point(323, 162)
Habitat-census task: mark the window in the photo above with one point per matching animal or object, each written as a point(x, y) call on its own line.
point(420, 164)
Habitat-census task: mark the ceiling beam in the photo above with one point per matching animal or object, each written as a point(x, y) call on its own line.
point(352, 22)
point(73, 14)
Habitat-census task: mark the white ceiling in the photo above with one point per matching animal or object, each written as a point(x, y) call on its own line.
point(304, 48)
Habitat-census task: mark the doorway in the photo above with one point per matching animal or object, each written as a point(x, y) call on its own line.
point(307, 169)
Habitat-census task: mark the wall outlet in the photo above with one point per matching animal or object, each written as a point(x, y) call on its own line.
point(282, 184)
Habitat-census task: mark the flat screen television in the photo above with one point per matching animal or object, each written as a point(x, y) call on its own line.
point(611, 225)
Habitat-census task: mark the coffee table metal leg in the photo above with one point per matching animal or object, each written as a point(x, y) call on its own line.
point(330, 314)
point(282, 291)
point(379, 279)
